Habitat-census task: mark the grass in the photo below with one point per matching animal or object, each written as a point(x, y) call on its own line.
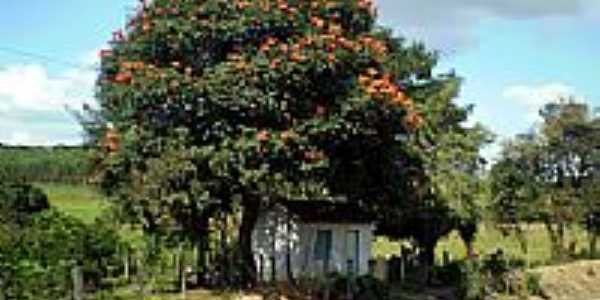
point(80, 201)
point(489, 239)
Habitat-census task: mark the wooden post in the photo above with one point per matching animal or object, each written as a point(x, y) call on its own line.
point(141, 277)
point(445, 258)
point(182, 271)
point(77, 283)
point(2, 295)
point(261, 268)
point(402, 269)
point(126, 265)
point(224, 260)
point(273, 269)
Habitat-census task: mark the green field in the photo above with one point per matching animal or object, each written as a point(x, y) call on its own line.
point(489, 239)
point(86, 203)
point(80, 201)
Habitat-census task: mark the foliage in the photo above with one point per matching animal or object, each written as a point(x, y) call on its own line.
point(44, 164)
point(472, 282)
point(551, 175)
point(208, 105)
point(38, 261)
point(18, 202)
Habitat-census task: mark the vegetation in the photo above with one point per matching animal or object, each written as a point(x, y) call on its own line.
point(212, 111)
point(39, 247)
point(206, 107)
point(44, 164)
point(551, 175)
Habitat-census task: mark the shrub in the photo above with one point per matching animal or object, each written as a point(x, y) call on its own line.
point(472, 284)
point(39, 262)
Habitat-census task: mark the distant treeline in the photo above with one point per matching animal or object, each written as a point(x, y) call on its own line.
point(60, 164)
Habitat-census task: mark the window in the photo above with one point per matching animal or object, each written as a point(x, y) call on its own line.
point(322, 250)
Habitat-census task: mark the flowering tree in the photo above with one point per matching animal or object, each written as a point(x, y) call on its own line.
point(215, 104)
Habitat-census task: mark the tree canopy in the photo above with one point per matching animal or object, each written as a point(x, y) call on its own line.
point(215, 104)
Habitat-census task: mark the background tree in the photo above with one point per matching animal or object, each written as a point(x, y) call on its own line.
point(552, 172)
point(515, 194)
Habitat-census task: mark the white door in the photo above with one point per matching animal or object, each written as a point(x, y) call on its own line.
point(352, 252)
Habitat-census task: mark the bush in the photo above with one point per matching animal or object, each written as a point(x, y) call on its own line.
point(38, 264)
point(472, 284)
point(495, 274)
point(534, 284)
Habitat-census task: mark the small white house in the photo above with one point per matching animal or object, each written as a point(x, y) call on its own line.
point(299, 239)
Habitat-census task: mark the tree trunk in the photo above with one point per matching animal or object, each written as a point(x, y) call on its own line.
point(202, 238)
point(201, 262)
point(427, 260)
point(248, 265)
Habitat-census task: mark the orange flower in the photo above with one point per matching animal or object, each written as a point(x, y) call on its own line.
point(413, 120)
point(263, 136)
point(317, 22)
point(400, 98)
point(124, 77)
point(275, 63)
point(331, 57)
point(146, 25)
point(264, 48)
point(242, 4)
point(297, 57)
point(112, 140)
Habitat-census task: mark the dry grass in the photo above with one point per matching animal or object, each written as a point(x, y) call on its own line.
point(574, 281)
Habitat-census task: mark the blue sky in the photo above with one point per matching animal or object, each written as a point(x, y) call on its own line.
point(515, 55)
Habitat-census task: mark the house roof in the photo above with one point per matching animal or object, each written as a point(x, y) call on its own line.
point(322, 211)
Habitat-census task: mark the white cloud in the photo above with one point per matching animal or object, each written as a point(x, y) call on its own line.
point(531, 98)
point(450, 25)
point(30, 87)
point(33, 102)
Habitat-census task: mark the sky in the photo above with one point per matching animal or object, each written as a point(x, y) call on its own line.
point(514, 56)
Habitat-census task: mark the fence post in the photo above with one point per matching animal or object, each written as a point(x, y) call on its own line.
point(182, 272)
point(141, 277)
point(2, 295)
point(77, 278)
point(126, 265)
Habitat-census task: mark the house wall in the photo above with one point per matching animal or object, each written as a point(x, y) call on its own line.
point(277, 236)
